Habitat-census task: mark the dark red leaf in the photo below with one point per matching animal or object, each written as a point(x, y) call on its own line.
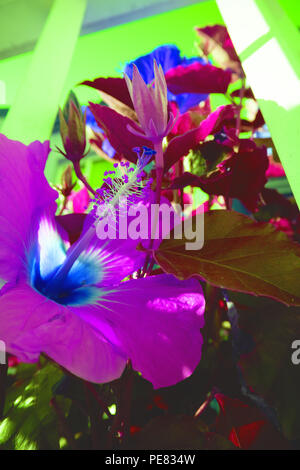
point(284, 207)
point(186, 179)
point(181, 145)
point(198, 78)
point(113, 86)
point(246, 426)
point(241, 176)
point(248, 93)
point(189, 120)
point(115, 127)
point(245, 126)
point(259, 120)
point(134, 429)
point(216, 41)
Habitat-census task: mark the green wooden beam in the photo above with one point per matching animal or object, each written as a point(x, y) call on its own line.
point(32, 115)
point(268, 44)
point(2, 93)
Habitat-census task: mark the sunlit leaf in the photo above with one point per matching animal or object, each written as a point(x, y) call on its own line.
point(29, 422)
point(238, 254)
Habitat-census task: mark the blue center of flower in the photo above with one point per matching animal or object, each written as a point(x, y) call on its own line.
point(79, 286)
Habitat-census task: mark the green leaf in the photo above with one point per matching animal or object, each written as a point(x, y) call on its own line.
point(29, 421)
point(238, 254)
point(268, 369)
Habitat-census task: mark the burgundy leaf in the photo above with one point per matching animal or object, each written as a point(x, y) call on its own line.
point(113, 86)
point(190, 120)
point(247, 93)
point(241, 176)
point(259, 120)
point(246, 426)
point(115, 127)
point(217, 35)
point(198, 78)
point(245, 126)
point(181, 145)
point(282, 205)
point(186, 179)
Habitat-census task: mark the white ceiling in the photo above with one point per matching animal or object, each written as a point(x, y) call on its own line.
point(21, 21)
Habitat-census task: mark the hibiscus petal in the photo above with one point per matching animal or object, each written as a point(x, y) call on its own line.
point(30, 324)
point(51, 250)
point(157, 320)
point(119, 257)
point(25, 195)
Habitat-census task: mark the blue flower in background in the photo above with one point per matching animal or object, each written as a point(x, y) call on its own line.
point(168, 57)
point(91, 122)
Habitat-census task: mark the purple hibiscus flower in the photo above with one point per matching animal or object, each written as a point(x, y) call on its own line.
point(168, 56)
point(90, 322)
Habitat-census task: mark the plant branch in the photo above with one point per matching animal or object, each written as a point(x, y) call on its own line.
point(82, 178)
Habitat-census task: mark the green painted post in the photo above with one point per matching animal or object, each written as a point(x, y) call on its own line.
point(33, 112)
point(268, 44)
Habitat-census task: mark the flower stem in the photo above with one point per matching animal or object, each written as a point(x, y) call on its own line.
point(127, 400)
point(238, 120)
point(97, 397)
point(81, 177)
point(159, 176)
point(206, 403)
point(64, 205)
point(63, 423)
point(94, 419)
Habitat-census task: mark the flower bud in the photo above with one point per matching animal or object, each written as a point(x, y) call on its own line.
point(67, 184)
point(72, 131)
